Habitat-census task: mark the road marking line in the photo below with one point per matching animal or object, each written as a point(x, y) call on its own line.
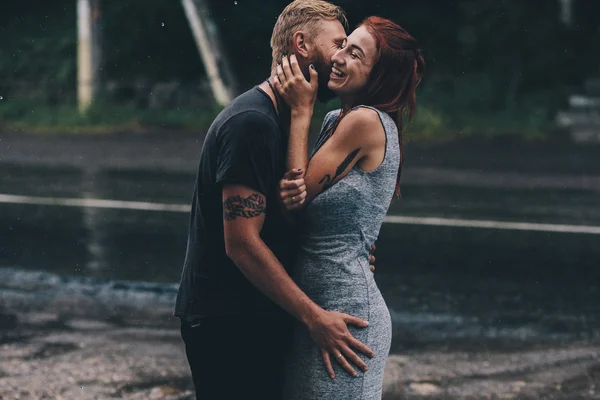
point(473, 223)
point(96, 203)
point(390, 219)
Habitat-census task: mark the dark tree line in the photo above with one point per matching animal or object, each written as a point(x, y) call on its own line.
point(489, 53)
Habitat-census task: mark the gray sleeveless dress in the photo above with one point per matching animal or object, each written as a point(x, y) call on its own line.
point(339, 227)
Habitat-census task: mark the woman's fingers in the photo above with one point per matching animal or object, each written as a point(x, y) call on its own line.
point(294, 199)
point(295, 206)
point(277, 84)
point(286, 68)
point(295, 67)
point(279, 79)
point(293, 192)
point(286, 184)
point(292, 174)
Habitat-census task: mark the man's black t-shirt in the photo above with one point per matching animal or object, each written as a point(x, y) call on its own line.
point(245, 145)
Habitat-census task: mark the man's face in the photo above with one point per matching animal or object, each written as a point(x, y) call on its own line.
point(330, 37)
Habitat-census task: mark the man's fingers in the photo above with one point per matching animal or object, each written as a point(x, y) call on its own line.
point(360, 346)
point(339, 357)
point(354, 358)
point(372, 259)
point(352, 320)
point(294, 199)
point(327, 361)
point(372, 268)
point(373, 248)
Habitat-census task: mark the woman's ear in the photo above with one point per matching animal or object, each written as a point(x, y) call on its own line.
point(300, 44)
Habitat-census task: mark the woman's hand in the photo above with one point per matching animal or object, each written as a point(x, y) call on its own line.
point(299, 94)
point(292, 190)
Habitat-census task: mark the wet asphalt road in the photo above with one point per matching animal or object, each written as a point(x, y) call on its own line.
point(450, 282)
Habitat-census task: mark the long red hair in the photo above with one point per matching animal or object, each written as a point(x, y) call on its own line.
point(398, 69)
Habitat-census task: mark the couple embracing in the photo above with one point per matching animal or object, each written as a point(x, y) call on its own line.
point(277, 299)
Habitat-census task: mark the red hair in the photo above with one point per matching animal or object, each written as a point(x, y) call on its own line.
point(398, 69)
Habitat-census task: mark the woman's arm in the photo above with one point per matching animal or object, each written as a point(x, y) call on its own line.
point(300, 95)
point(297, 154)
point(358, 136)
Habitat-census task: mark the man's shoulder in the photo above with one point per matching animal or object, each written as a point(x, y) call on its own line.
point(253, 107)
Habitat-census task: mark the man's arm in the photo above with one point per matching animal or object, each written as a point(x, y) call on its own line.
point(244, 213)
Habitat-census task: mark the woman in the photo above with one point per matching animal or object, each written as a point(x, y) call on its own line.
point(351, 178)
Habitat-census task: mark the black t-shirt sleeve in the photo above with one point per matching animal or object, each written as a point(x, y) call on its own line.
point(248, 152)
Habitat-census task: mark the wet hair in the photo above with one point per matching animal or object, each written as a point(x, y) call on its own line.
point(302, 14)
point(396, 73)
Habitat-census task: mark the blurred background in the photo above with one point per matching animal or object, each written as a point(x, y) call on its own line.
point(490, 263)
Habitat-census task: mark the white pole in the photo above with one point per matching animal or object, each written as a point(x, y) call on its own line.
point(566, 12)
point(209, 51)
point(88, 52)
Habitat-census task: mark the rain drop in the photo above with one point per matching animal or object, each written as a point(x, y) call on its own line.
point(235, 3)
point(163, 24)
point(1, 97)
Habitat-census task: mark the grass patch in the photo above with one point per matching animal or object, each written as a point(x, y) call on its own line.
point(35, 117)
point(431, 121)
point(527, 124)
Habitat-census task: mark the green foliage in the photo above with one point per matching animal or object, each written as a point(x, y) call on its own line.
point(34, 116)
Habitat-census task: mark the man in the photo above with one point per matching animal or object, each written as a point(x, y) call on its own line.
point(234, 289)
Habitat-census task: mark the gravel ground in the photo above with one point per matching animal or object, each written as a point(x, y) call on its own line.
point(50, 356)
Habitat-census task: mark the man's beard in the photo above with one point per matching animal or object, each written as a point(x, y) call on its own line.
point(324, 94)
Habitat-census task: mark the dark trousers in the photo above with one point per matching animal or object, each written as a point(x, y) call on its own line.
point(237, 357)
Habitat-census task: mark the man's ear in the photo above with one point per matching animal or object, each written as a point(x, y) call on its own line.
point(301, 45)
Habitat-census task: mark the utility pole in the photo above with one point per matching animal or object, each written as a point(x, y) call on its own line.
point(88, 52)
point(217, 68)
point(566, 12)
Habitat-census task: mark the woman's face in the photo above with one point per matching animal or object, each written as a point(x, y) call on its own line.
point(352, 63)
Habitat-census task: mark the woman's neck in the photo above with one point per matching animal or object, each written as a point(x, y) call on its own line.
point(347, 104)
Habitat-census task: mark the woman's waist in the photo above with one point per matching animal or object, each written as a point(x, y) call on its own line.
point(350, 242)
point(333, 286)
point(332, 270)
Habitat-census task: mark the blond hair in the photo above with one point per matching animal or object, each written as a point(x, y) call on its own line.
point(302, 14)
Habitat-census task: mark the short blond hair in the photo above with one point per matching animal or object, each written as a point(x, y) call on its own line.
point(302, 14)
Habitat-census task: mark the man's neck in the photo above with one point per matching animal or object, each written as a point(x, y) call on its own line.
point(278, 103)
point(267, 89)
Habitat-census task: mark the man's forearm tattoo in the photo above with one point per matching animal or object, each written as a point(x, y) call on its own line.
point(327, 181)
point(246, 207)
